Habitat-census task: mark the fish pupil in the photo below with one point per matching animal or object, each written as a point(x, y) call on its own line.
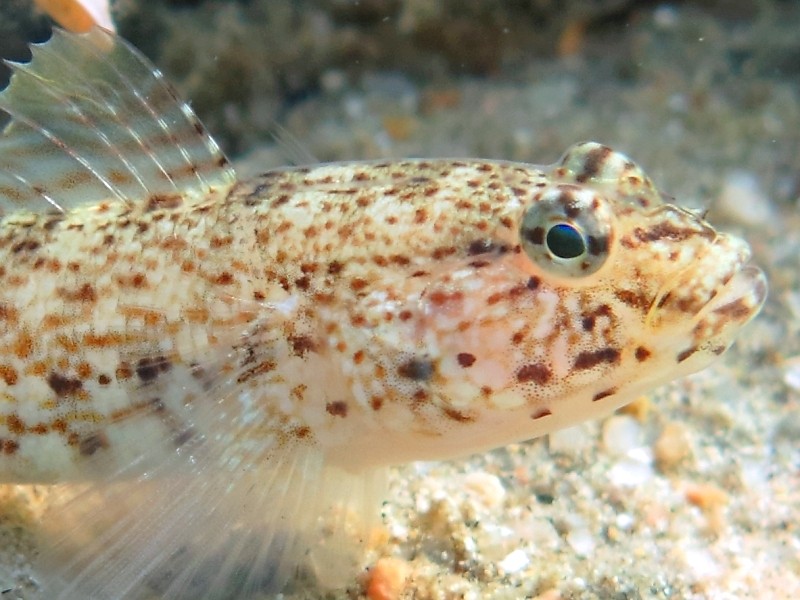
point(565, 241)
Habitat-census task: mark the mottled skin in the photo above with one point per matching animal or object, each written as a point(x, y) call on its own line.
point(390, 311)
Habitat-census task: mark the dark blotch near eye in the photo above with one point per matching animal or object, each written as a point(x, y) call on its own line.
point(480, 247)
point(597, 245)
point(535, 235)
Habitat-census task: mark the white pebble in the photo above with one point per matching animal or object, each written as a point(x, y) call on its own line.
point(514, 562)
point(570, 441)
point(485, 488)
point(632, 470)
point(791, 373)
point(581, 541)
point(624, 522)
point(701, 563)
point(621, 434)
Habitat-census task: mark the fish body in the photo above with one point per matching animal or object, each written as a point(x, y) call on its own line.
point(173, 338)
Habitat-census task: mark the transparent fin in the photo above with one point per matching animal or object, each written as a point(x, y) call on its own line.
point(209, 533)
point(93, 120)
point(229, 506)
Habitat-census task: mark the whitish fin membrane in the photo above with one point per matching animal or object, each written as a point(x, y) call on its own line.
point(94, 120)
point(206, 499)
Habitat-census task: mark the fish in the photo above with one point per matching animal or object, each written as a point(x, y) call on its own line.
point(212, 374)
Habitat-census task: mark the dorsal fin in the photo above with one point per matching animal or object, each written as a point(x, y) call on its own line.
point(94, 120)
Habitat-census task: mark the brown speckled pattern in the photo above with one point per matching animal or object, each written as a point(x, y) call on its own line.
point(387, 307)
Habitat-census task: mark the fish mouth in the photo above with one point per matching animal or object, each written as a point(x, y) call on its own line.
point(720, 288)
point(736, 302)
point(744, 293)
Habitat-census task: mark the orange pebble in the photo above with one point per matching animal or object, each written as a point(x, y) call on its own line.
point(387, 579)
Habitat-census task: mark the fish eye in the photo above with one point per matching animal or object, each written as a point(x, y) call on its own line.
point(567, 231)
point(564, 240)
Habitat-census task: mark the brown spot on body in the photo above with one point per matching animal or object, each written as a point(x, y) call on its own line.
point(633, 299)
point(684, 354)
point(123, 372)
point(149, 368)
point(15, 425)
point(604, 394)
point(302, 344)
point(670, 231)
point(642, 353)
point(9, 314)
point(457, 416)
point(105, 340)
point(593, 163)
point(481, 246)
point(358, 283)
point(588, 360)
point(163, 202)
point(590, 319)
point(224, 278)
point(25, 246)
point(495, 298)
point(536, 372)
point(63, 386)
point(443, 252)
point(220, 242)
point(9, 447)
point(84, 293)
point(9, 374)
point(417, 369)
point(440, 297)
point(736, 310)
point(257, 370)
point(23, 345)
point(465, 359)
point(103, 379)
point(337, 408)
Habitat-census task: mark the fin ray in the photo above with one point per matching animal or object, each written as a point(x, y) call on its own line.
point(93, 119)
point(231, 511)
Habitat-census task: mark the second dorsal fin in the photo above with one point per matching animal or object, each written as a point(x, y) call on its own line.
point(93, 120)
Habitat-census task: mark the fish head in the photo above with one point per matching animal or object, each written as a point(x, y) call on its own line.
point(676, 290)
point(583, 288)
